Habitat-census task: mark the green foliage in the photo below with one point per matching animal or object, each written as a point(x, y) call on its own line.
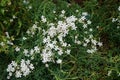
point(17, 17)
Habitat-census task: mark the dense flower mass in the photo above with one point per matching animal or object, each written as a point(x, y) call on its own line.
point(54, 41)
point(59, 40)
point(19, 70)
point(50, 42)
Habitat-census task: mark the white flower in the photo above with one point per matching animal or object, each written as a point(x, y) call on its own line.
point(9, 67)
point(68, 51)
point(12, 69)
point(9, 3)
point(71, 19)
point(64, 44)
point(11, 20)
point(18, 74)
point(33, 33)
point(46, 65)
point(52, 31)
point(10, 74)
point(54, 11)
point(8, 77)
point(78, 42)
point(27, 72)
point(50, 45)
point(54, 42)
point(68, 5)
point(31, 66)
point(55, 18)
point(73, 26)
point(9, 42)
point(94, 42)
point(76, 36)
point(43, 19)
point(119, 8)
point(51, 24)
point(32, 58)
point(85, 44)
point(25, 52)
point(46, 56)
point(97, 26)
point(82, 18)
point(61, 15)
point(118, 74)
point(90, 36)
point(36, 48)
point(56, 48)
point(31, 52)
point(109, 73)
point(7, 34)
point(25, 2)
point(60, 52)
point(29, 7)
point(59, 61)
point(45, 40)
point(17, 49)
point(89, 22)
point(94, 48)
point(28, 32)
point(14, 16)
point(24, 38)
point(90, 51)
point(14, 64)
point(84, 13)
point(63, 11)
point(2, 43)
point(114, 19)
point(100, 44)
point(84, 26)
point(86, 32)
point(90, 29)
point(118, 27)
point(87, 40)
point(60, 38)
point(27, 62)
point(77, 11)
point(23, 66)
point(34, 26)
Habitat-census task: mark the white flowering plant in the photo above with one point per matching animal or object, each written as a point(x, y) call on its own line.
point(53, 40)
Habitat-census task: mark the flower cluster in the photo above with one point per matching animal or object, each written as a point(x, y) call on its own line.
point(30, 53)
point(54, 38)
point(90, 43)
point(19, 70)
point(54, 42)
point(89, 40)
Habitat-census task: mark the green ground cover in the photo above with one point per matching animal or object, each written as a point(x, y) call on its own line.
point(59, 40)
